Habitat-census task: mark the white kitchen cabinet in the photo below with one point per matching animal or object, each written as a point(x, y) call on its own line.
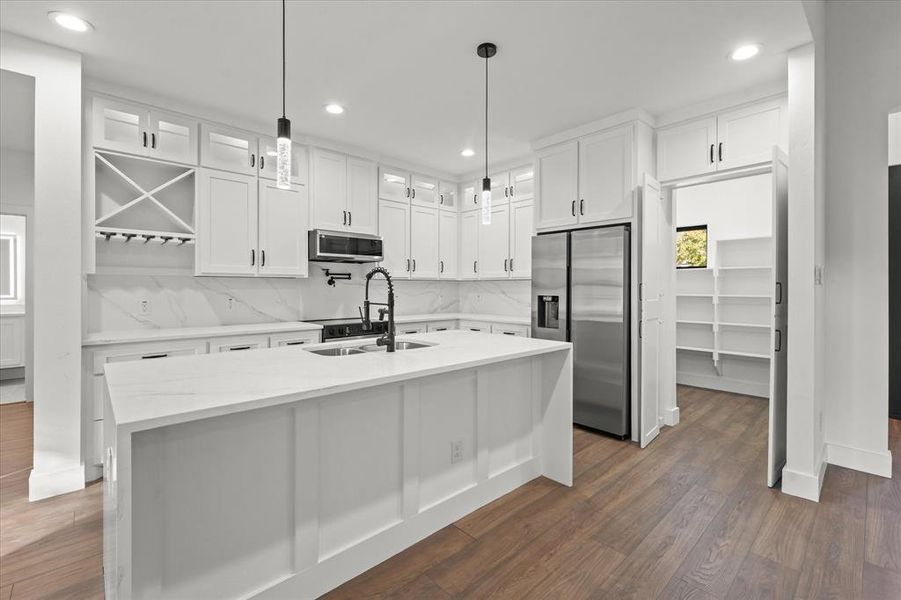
point(135, 129)
point(227, 218)
point(283, 223)
point(685, 150)
point(500, 188)
point(731, 139)
point(482, 326)
point(12, 341)
point(267, 164)
point(522, 184)
point(411, 328)
point(494, 244)
point(424, 242)
point(344, 193)
point(440, 326)
point(605, 176)
point(558, 181)
point(294, 338)
point(469, 195)
point(238, 343)
point(394, 228)
point(509, 329)
point(448, 245)
point(447, 196)
point(424, 190)
point(522, 229)
point(362, 206)
point(469, 245)
point(394, 184)
point(228, 149)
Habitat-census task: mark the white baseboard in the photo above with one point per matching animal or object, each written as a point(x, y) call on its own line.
point(804, 485)
point(868, 461)
point(671, 416)
point(44, 485)
point(748, 388)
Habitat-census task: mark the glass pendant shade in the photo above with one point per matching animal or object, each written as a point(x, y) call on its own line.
point(486, 201)
point(283, 148)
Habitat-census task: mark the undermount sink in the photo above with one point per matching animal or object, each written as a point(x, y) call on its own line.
point(335, 351)
point(397, 346)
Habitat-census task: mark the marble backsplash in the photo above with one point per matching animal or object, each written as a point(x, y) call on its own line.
point(113, 302)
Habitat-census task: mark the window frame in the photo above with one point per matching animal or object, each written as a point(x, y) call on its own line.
point(706, 245)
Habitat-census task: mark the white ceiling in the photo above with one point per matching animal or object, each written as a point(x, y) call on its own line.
point(407, 71)
point(16, 111)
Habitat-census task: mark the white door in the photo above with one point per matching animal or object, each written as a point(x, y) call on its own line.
point(522, 184)
point(469, 244)
point(227, 212)
point(394, 228)
point(268, 162)
point(500, 188)
point(120, 126)
point(448, 245)
point(687, 150)
point(653, 270)
point(746, 136)
point(779, 348)
point(362, 203)
point(494, 244)
point(283, 230)
point(605, 176)
point(521, 231)
point(394, 184)
point(173, 137)
point(447, 196)
point(228, 149)
point(469, 195)
point(424, 242)
point(329, 179)
point(558, 180)
point(424, 190)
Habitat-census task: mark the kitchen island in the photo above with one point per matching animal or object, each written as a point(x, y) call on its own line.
point(283, 473)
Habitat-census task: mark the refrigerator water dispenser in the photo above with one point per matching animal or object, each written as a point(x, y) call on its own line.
point(549, 312)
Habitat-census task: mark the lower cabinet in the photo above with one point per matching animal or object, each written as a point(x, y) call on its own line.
point(441, 326)
point(239, 343)
point(411, 328)
point(507, 329)
point(483, 326)
point(278, 340)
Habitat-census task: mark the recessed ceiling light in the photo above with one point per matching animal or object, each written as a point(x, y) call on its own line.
point(468, 152)
point(745, 52)
point(70, 22)
point(334, 109)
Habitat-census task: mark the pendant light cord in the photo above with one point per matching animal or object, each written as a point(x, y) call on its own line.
point(284, 60)
point(486, 115)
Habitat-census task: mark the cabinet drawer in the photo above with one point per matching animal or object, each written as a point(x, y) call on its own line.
point(475, 326)
point(146, 352)
point(411, 328)
point(441, 326)
point(279, 340)
point(237, 344)
point(505, 329)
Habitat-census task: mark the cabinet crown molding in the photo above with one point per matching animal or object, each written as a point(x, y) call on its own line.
point(622, 118)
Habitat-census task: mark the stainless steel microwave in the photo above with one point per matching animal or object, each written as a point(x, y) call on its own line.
point(344, 246)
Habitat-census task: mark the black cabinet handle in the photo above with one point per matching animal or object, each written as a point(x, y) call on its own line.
point(582, 206)
point(233, 348)
point(506, 194)
point(408, 192)
point(711, 154)
point(153, 140)
point(253, 160)
point(297, 343)
point(506, 260)
point(414, 192)
point(778, 340)
point(262, 258)
point(574, 208)
point(720, 151)
point(408, 265)
point(474, 266)
point(475, 198)
point(441, 263)
point(414, 265)
point(345, 216)
point(511, 265)
point(441, 199)
point(160, 355)
point(262, 162)
point(350, 218)
point(144, 137)
point(511, 191)
point(253, 257)
point(508, 333)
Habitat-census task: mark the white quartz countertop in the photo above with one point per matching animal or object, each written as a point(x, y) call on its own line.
point(184, 333)
point(149, 394)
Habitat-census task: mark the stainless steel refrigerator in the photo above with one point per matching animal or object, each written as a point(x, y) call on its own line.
point(580, 294)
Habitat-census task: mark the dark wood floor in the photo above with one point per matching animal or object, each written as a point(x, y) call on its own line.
point(688, 517)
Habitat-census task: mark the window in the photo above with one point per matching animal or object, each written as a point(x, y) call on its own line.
point(691, 247)
point(8, 267)
point(12, 260)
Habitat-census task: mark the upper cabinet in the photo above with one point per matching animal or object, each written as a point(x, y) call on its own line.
point(399, 185)
point(424, 191)
point(131, 128)
point(447, 196)
point(268, 160)
point(283, 224)
point(469, 195)
point(729, 140)
point(558, 185)
point(522, 184)
point(228, 149)
point(448, 245)
point(344, 192)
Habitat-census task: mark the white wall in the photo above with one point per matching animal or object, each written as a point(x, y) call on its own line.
point(736, 208)
point(58, 465)
point(863, 85)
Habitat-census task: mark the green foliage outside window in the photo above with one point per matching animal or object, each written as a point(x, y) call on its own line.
point(691, 247)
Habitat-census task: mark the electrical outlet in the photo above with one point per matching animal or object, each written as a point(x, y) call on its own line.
point(456, 451)
point(229, 303)
point(144, 306)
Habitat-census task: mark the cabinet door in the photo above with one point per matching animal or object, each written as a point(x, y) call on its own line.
point(424, 242)
point(268, 162)
point(522, 184)
point(558, 180)
point(469, 195)
point(746, 136)
point(605, 176)
point(120, 126)
point(284, 220)
point(494, 244)
point(469, 245)
point(173, 137)
point(394, 227)
point(227, 212)
point(362, 203)
point(394, 184)
point(329, 192)
point(424, 190)
point(447, 196)
point(521, 231)
point(686, 150)
point(228, 149)
point(448, 245)
point(500, 188)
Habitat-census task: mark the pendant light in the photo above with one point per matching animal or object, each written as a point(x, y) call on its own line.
point(283, 143)
point(486, 50)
